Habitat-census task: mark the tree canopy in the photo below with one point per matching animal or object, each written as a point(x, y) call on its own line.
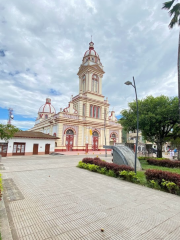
point(158, 116)
point(7, 131)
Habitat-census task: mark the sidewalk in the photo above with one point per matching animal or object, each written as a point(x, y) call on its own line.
point(95, 153)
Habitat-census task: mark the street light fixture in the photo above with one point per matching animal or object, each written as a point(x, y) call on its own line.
point(134, 86)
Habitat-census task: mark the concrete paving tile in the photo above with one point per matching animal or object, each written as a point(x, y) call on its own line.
point(77, 207)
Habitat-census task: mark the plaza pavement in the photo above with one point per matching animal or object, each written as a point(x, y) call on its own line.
point(48, 197)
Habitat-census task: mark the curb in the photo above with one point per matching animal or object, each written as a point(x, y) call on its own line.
point(4, 223)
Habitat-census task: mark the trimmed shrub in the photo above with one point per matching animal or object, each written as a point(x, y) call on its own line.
point(164, 163)
point(109, 166)
point(155, 158)
point(170, 186)
point(159, 176)
point(129, 176)
point(0, 187)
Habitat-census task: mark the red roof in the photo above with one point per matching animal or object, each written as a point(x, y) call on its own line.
point(31, 134)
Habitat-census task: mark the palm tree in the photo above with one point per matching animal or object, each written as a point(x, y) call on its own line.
point(174, 11)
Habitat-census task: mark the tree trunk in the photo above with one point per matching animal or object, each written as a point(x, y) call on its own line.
point(178, 157)
point(159, 150)
point(179, 75)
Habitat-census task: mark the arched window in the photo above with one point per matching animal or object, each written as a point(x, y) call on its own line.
point(95, 134)
point(113, 135)
point(69, 132)
point(55, 144)
point(84, 83)
point(46, 116)
point(95, 83)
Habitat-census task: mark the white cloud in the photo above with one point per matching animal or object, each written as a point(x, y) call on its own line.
point(24, 125)
point(44, 42)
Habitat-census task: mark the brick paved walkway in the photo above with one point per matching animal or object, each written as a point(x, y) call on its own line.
point(49, 198)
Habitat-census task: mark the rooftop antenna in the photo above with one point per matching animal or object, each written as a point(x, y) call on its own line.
point(11, 117)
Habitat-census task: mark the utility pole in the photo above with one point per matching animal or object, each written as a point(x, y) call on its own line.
point(10, 110)
point(105, 131)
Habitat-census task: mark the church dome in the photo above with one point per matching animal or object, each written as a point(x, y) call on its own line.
point(47, 107)
point(91, 57)
point(91, 51)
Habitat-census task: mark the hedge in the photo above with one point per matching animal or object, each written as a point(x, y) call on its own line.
point(159, 176)
point(155, 158)
point(164, 163)
point(0, 187)
point(109, 166)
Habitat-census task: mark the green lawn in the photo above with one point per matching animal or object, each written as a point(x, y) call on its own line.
point(146, 166)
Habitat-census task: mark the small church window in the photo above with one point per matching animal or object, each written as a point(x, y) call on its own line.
point(84, 83)
point(84, 109)
point(95, 84)
point(91, 111)
point(98, 112)
point(94, 111)
point(46, 116)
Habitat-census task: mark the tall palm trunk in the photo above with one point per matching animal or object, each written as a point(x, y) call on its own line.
point(179, 74)
point(179, 87)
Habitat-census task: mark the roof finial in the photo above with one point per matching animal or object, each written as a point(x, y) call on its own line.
point(91, 38)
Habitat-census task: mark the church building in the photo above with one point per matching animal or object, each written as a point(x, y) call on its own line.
point(86, 121)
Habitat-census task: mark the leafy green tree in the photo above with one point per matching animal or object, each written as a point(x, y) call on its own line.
point(7, 131)
point(157, 118)
point(174, 11)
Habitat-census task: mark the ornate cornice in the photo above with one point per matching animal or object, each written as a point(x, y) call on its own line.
point(93, 68)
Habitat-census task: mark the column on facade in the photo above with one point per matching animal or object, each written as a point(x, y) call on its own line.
point(60, 134)
point(107, 136)
point(87, 109)
point(120, 136)
point(80, 138)
point(80, 108)
point(90, 81)
point(87, 81)
point(80, 84)
point(100, 85)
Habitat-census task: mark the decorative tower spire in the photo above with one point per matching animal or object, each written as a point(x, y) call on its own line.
point(91, 45)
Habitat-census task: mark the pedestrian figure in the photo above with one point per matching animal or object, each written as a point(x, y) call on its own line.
point(170, 153)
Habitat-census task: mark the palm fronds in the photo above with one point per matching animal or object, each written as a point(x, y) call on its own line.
point(174, 12)
point(168, 5)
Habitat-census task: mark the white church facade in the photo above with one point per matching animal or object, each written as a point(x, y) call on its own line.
point(86, 121)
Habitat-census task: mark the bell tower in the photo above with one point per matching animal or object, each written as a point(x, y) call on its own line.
point(91, 72)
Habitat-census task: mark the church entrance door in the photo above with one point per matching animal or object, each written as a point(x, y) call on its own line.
point(113, 137)
point(69, 140)
point(95, 141)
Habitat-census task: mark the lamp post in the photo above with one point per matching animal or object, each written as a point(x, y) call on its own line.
point(134, 86)
point(105, 115)
point(105, 131)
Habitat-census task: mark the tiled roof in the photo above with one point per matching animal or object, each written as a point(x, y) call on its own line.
point(31, 134)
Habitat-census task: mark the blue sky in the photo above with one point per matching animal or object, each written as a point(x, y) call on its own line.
point(42, 44)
